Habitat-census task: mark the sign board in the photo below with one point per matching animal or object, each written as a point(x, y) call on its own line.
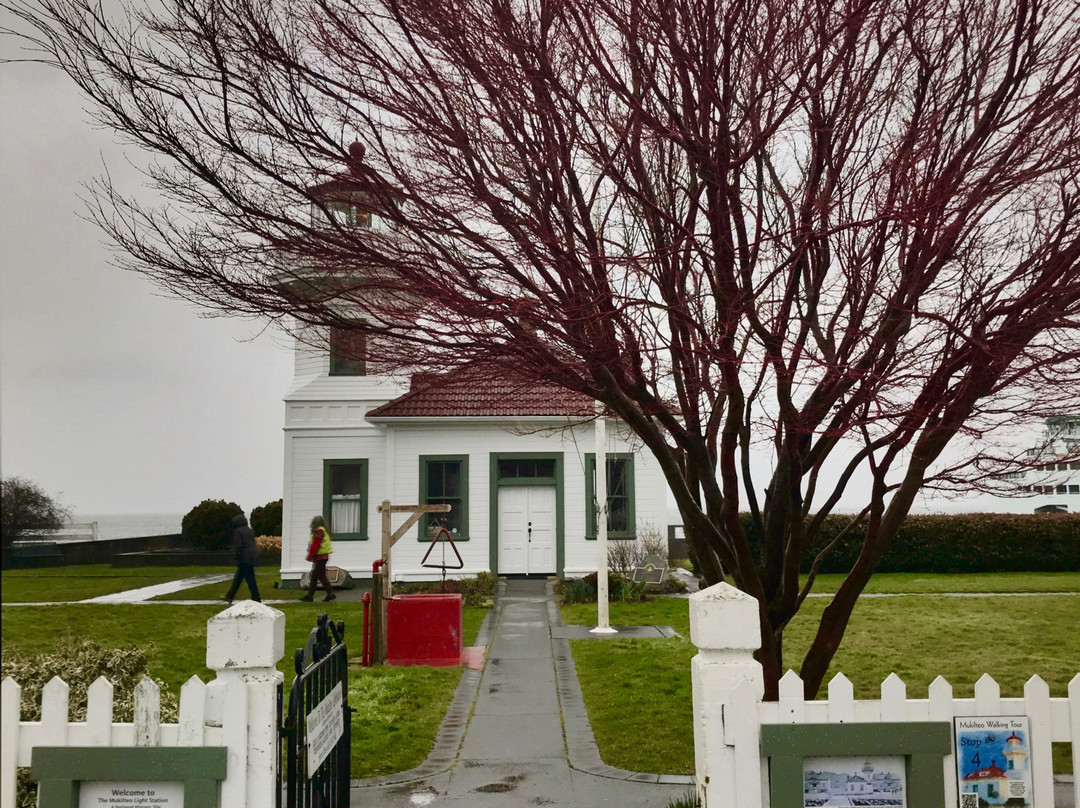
point(652, 571)
point(870, 781)
point(993, 761)
point(325, 724)
point(100, 794)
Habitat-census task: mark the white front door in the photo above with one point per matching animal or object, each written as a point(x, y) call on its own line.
point(527, 530)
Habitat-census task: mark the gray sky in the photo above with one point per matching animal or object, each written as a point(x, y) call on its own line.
point(113, 397)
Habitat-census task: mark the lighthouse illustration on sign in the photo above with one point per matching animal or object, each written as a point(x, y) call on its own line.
point(993, 761)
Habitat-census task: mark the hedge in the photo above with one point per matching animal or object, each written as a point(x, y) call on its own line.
point(976, 542)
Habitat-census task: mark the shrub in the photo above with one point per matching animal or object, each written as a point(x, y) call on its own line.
point(266, 519)
point(477, 591)
point(79, 662)
point(268, 544)
point(25, 509)
point(209, 524)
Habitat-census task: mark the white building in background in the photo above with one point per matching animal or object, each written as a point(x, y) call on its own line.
point(514, 460)
point(1055, 482)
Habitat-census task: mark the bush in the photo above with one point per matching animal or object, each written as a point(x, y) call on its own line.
point(25, 510)
point(209, 524)
point(477, 591)
point(976, 542)
point(266, 519)
point(268, 544)
point(583, 590)
point(79, 662)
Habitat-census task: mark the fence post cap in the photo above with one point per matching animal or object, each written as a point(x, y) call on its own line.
point(723, 617)
point(246, 635)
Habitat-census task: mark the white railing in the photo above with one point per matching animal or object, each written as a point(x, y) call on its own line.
point(729, 712)
point(237, 710)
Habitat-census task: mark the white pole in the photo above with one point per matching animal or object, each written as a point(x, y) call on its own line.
point(600, 489)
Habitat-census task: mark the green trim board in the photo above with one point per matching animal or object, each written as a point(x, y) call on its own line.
point(361, 464)
point(60, 769)
point(422, 533)
point(630, 494)
point(496, 482)
point(922, 744)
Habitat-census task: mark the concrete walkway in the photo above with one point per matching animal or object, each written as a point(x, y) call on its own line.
point(528, 740)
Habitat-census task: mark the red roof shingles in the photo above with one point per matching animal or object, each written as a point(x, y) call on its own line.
point(480, 396)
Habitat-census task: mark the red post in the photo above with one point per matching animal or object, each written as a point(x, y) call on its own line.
point(365, 654)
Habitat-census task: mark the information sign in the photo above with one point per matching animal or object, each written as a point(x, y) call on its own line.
point(993, 761)
point(102, 794)
point(324, 726)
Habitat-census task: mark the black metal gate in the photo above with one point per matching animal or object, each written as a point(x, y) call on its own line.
point(321, 667)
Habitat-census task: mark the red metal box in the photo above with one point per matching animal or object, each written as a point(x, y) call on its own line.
point(423, 630)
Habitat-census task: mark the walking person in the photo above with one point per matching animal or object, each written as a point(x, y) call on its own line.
point(247, 557)
point(318, 553)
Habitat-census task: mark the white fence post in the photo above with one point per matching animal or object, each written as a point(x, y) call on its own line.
point(243, 645)
point(725, 628)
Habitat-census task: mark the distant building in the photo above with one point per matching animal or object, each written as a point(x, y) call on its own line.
point(1055, 480)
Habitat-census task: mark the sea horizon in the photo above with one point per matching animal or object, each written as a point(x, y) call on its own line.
point(131, 525)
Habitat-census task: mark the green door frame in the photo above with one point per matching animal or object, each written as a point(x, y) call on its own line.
point(495, 483)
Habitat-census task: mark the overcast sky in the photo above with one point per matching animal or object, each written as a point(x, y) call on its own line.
point(113, 397)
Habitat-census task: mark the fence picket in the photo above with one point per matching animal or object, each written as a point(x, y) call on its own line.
point(841, 700)
point(192, 712)
point(234, 731)
point(99, 712)
point(147, 713)
point(1074, 734)
point(792, 703)
point(54, 713)
point(940, 707)
point(893, 699)
point(10, 697)
point(987, 696)
point(1037, 708)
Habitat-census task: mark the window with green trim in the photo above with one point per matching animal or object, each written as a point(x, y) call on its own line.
point(345, 498)
point(620, 491)
point(348, 352)
point(444, 480)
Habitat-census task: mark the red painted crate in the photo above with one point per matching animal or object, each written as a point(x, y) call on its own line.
point(423, 630)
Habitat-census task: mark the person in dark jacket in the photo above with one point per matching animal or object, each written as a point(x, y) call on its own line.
point(246, 558)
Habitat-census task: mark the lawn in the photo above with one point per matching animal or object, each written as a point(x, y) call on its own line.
point(917, 637)
point(53, 584)
point(398, 709)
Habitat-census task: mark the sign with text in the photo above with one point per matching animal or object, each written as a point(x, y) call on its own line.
point(325, 725)
point(993, 761)
point(101, 794)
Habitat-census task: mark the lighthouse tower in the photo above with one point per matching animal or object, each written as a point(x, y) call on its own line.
point(1015, 754)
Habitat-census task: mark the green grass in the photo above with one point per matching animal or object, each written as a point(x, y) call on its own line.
point(53, 584)
point(265, 577)
point(916, 583)
point(400, 708)
point(917, 637)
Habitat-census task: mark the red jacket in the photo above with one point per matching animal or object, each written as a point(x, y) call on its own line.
point(320, 540)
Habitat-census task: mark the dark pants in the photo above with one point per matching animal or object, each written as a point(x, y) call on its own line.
point(318, 576)
point(244, 572)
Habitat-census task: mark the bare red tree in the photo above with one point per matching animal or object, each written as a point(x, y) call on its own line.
point(840, 231)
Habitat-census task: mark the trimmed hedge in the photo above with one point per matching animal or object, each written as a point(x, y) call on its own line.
point(976, 542)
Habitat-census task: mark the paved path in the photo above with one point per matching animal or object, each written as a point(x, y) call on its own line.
point(527, 741)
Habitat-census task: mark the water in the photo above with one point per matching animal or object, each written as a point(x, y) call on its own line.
point(130, 525)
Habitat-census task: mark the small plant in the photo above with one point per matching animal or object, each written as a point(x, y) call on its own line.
point(575, 590)
point(268, 544)
point(209, 524)
point(478, 591)
point(687, 800)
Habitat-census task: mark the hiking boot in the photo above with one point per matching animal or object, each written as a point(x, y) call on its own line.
point(331, 596)
point(308, 598)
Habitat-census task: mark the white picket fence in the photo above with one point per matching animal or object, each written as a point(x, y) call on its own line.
point(729, 712)
point(237, 710)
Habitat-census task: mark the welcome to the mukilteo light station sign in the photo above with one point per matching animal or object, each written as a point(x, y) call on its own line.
point(324, 726)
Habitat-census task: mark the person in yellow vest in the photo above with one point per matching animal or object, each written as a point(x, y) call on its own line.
point(318, 553)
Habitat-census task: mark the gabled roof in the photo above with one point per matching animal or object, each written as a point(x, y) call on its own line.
point(479, 395)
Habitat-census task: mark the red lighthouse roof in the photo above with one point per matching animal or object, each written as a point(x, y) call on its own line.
point(991, 772)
